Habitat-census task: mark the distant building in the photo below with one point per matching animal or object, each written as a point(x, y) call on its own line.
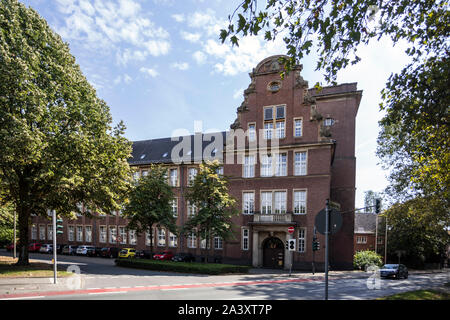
point(364, 238)
point(275, 188)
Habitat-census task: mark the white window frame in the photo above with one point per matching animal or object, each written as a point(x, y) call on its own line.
point(103, 234)
point(245, 239)
point(252, 132)
point(42, 232)
point(280, 129)
point(49, 232)
point(34, 232)
point(280, 165)
point(78, 234)
point(298, 127)
point(88, 233)
point(173, 240)
point(132, 237)
point(266, 165)
point(249, 166)
point(266, 202)
point(248, 202)
point(173, 178)
point(161, 237)
point(192, 173)
point(280, 200)
point(71, 233)
point(192, 240)
point(218, 243)
point(123, 234)
point(300, 163)
point(174, 205)
point(300, 199)
point(191, 209)
point(301, 240)
point(112, 236)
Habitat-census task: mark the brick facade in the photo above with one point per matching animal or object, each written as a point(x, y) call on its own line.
point(328, 138)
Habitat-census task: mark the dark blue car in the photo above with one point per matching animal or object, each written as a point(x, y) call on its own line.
point(394, 270)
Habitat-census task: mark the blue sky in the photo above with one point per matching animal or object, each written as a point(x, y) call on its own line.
point(160, 66)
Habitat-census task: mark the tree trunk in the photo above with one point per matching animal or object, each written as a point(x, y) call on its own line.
point(24, 218)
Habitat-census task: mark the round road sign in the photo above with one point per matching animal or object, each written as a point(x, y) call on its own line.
point(291, 230)
point(335, 221)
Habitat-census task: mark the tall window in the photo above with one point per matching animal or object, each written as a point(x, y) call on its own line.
point(266, 166)
point(41, 232)
point(218, 243)
point(281, 133)
point(298, 127)
point(280, 202)
point(79, 233)
point(33, 232)
point(251, 132)
point(147, 238)
point(245, 239)
point(268, 129)
point(112, 234)
point(266, 202)
point(301, 240)
point(248, 202)
point(102, 234)
point(71, 233)
point(49, 232)
point(173, 240)
point(123, 235)
point(191, 209)
point(173, 177)
point(133, 238)
point(300, 163)
point(281, 165)
point(192, 172)
point(88, 233)
point(161, 237)
point(249, 166)
point(203, 243)
point(174, 205)
point(192, 240)
point(299, 202)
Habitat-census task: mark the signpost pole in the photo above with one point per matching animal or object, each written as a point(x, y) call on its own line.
point(314, 253)
point(327, 232)
point(54, 248)
point(15, 241)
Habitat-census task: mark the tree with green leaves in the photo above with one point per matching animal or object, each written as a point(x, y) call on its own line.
point(215, 206)
point(58, 146)
point(420, 228)
point(6, 224)
point(150, 204)
point(415, 130)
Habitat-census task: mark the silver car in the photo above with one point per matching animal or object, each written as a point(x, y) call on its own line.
point(82, 250)
point(46, 248)
point(394, 270)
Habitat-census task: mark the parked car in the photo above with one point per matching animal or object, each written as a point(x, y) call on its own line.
point(143, 254)
point(10, 247)
point(165, 255)
point(109, 252)
point(83, 250)
point(183, 257)
point(70, 250)
point(394, 270)
point(34, 247)
point(127, 253)
point(46, 248)
point(94, 251)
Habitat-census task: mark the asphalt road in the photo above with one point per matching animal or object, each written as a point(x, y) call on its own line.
point(100, 279)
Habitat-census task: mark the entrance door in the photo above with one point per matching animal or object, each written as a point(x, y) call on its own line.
point(273, 253)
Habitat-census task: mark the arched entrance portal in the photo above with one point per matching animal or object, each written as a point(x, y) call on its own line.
point(273, 253)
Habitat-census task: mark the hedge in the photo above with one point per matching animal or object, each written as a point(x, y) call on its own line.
point(185, 267)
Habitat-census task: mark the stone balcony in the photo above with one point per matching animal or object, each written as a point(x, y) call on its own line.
point(285, 218)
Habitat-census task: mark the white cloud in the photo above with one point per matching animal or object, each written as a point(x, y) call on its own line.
point(148, 71)
point(191, 37)
point(127, 79)
point(178, 17)
point(180, 65)
point(199, 57)
point(120, 26)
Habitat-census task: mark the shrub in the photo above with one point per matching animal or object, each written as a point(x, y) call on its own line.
point(363, 259)
point(185, 267)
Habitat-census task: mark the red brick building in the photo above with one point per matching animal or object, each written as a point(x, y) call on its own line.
point(310, 157)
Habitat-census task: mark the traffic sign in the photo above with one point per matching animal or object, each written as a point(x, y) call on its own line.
point(292, 244)
point(335, 221)
point(291, 230)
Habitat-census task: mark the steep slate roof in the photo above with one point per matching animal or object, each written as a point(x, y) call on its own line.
point(160, 150)
point(365, 222)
